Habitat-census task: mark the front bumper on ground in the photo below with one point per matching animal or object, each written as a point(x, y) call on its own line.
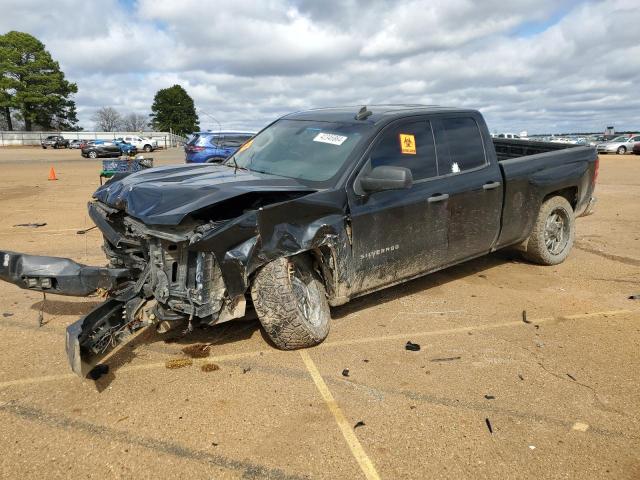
point(61, 276)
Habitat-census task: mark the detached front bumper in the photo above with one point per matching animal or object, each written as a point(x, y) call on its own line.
point(61, 276)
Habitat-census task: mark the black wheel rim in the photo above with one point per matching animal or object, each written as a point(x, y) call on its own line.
point(556, 231)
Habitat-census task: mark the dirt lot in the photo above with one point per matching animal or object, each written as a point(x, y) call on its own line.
point(561, 394)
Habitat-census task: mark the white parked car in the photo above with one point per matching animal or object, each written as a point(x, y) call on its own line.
point(141, 143)
point(619, 145)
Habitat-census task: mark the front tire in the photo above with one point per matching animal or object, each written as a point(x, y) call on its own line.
point(553, 233)
point(291, 303)
point(621, 150)
point(147, 148)
point(93, 155)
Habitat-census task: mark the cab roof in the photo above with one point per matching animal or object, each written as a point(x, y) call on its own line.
point(379, 113)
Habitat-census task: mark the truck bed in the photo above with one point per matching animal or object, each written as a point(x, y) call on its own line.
point(508, 148)
point(533, 170)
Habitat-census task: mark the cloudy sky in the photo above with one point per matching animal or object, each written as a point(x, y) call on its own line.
point(536, 65)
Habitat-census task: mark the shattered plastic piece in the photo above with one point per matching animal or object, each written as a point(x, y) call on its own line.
point(634, 297)
point(359, 424)
point(524, 317)
point(199, 350)
point(31, 225)
point(489, 397)
point(532, 447)
point(345, 372)
point(413, 347)
point(209, 367)
point(98, 371)
point(445, 359)
point(7, 314)
point(178, 363)
point(486, 420)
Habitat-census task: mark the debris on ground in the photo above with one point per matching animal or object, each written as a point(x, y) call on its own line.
point(31, 225)
point(413, 347)
point(365, 360)
point(524, 317)
point(209, 367)
point(98, 371)
point(122, 419)
point(445, 359)
point(199, 350)
point(82, 232)
point(490, 397)
point(634, 297)
point(359, 424)
point(580, 426)
point(532, 447)
point(178, 363)
point(7, 314)
point(486, 420)
point(571, 377)
point(245, 370)
point(520, 376)
point(539, 344)
point(482, 275)
point(345, 372)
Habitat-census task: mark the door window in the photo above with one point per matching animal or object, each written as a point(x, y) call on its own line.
point(459, 145)
point(408, 145)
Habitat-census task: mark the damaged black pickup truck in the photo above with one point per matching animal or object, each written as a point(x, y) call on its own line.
point(318, 208)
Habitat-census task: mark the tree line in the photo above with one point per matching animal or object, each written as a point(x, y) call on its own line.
point(35, 95)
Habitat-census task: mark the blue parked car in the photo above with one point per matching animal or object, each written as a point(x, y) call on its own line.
point(214, 147)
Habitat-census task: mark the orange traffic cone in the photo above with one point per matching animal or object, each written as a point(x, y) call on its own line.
point(52, 174)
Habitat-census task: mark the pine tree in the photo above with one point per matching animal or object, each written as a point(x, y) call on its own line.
point(32, 83)
point(173, 109)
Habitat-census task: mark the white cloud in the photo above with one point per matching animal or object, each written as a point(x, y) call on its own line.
point(530, 64)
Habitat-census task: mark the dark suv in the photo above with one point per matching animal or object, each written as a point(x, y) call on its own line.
point(55, 141)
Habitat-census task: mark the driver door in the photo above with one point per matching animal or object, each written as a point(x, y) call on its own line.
point(397, 234)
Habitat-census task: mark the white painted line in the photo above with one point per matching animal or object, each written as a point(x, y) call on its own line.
point(366, 465)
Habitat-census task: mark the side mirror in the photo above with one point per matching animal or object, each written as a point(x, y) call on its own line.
point(386, 177)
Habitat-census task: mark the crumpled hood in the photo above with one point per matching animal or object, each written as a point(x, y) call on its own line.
point(166, 195)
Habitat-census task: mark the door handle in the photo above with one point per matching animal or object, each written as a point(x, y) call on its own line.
point(438, 198)
point(491, 185)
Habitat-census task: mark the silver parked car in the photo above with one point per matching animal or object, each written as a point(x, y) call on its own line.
point(619, 145)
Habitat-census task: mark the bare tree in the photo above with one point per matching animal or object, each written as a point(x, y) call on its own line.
point(135, 122)
point(107, 119)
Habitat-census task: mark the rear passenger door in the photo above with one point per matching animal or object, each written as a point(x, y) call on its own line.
point(473, 185)
point(398, 234)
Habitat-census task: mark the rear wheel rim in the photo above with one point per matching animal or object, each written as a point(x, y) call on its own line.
point(556, 231)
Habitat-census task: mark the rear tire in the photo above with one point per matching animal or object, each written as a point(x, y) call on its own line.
point(93, 155)
point(147, 148)
point(291, 303)
point(553, 233)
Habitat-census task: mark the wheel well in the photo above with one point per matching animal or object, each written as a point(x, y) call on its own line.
point(570, 193)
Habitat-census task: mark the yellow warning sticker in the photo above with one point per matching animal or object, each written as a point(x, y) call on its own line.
point(245, 146)
point(408, 144)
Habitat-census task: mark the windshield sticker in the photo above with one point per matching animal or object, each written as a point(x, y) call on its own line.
point(330, 138)
point(245, 146)
point(407, 144)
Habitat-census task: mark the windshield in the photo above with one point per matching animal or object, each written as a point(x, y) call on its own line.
point(619, 139)
point(305, 150)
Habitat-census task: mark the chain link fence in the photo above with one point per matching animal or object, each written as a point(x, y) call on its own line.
point(19, 138)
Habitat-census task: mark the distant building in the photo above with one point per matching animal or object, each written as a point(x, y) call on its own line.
point(609, 131)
